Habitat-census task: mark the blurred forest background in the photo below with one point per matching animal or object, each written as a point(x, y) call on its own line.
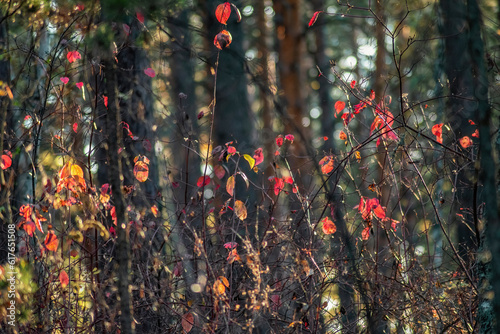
point(329, 169)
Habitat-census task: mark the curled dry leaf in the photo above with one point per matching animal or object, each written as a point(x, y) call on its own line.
point(223, 39)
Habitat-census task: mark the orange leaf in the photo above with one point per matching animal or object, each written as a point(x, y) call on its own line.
point(220, 285)
point(76, 171)
point(187, 322)
point(222, 12)
point(437, 130)
point(240, 210)
point(230, 185)
point(154, 210)
point(314, 18)
point(465, 142)
point(63, 278)
point(51, 242)
point(141, 171)
point(342, 135)
point(328, 226)
point(326, 164)
point(365, 234)
point(29, 228)
point(223, 39)
point(339, 106)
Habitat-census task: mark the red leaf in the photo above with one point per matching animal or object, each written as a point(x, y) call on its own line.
point(476, 133)
point(6, 160)
point(150, 72)
point(437, 130)
point(65, 80)
point(465, 142)
point(258, 156)
point(353, 83)
point(140, 17)
point(51, 242)
point(73, 56)
point(328, 226)
point(230, 244)
point(290, 138)
point(154, 210)
point(219, 171)
point(223, 39)
point(372, 95)
point(279, 140)
point(105, 99)
point(365, 234)
point(75, 127)
point(379, 211)
point(203, 181)
point(63, 279)
point(339, 106)
point(231, 150)
point(79, 85)
point(279, 184)
point(222, 12)
point(314, 18)
point(29, 227)
point(80, 7)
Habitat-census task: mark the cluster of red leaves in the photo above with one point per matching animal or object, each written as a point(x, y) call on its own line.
point(370, 207)
point(279, 184)
point(326, 164)
point(383, 122)
point(32, 219)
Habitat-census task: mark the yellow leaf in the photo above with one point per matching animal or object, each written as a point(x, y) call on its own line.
point(240, 210)
point(230, 185)
point(219, 287)
point(76, 171)
point(251, 161)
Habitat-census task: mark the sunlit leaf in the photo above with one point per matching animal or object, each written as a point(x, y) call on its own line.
point(279, 140)
point(141, 171)
point(6, 160)
point(223, 39)
point(222, 12)
point(79, 85)
point(342, 135)
point(290, 138)
point(328, 226)
point(65, 80)
point(465, 142)
point(76, 170)
point(314, 18)
point(437, 130)
point(339, 106)
point(154, 210)
point(251, 161)
point(326, 164)
point(73, 56)
point(365, 234)
point(240, 209)
point(230, 185)
point(63, 278)
point(353, 83)
point(51, 242)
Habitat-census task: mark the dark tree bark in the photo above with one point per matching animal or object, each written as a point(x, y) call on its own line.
point(115, 175)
